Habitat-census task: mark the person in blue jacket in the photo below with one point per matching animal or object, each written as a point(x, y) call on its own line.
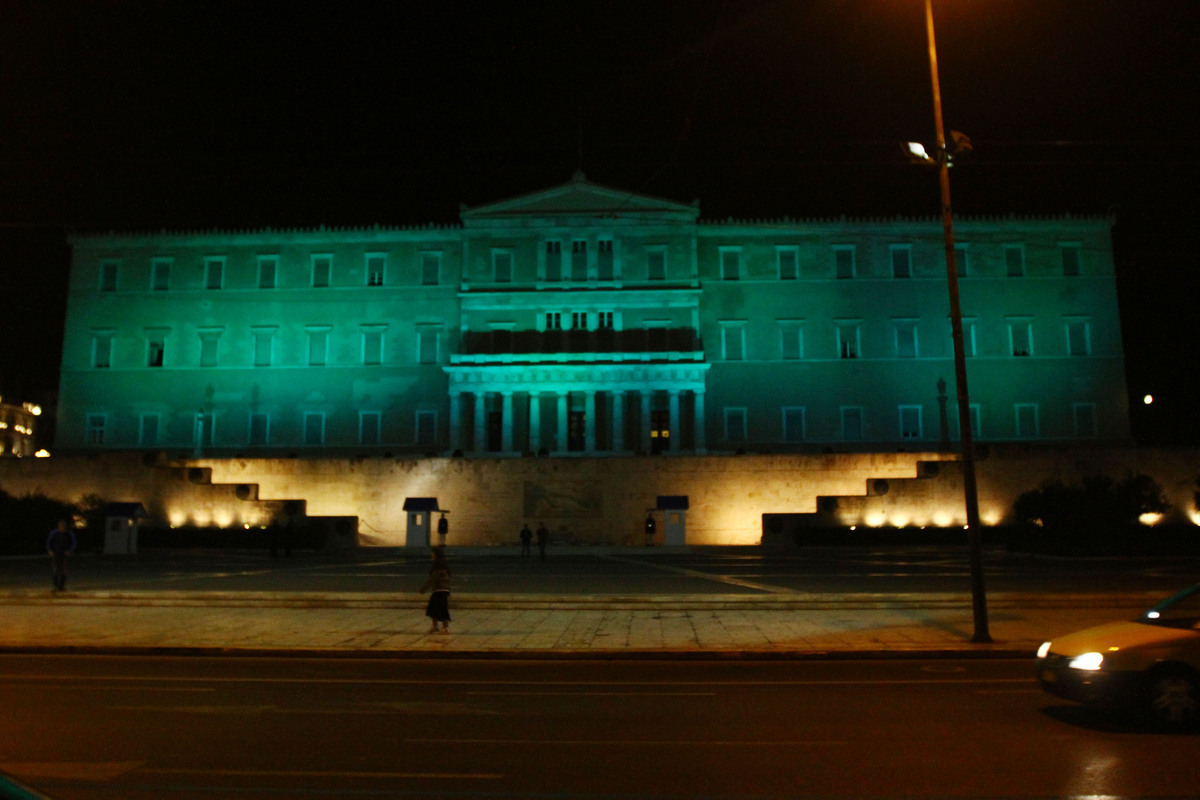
point(60, 544)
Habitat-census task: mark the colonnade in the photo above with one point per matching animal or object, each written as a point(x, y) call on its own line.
point(588, 421)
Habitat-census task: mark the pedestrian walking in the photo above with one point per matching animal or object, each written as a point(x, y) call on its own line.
point(442, 530)
point(526, 539)
point(60, 543)
point(438, 585)
point(650, 527)
point(543, 537)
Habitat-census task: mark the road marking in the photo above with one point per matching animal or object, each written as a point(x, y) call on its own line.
point(284, 773)
point(18, 680)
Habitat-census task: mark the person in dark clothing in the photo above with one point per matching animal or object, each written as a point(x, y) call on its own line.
point(438, 585)
point(543, 537)
point(60, 544)
point(526, 539)
point(443, 528)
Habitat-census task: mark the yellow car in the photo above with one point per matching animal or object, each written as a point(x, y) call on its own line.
point(1151, 665)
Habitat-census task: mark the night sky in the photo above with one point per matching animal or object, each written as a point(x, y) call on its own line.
point(164, 115)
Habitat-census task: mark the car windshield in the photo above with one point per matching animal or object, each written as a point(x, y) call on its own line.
point(1180, 611)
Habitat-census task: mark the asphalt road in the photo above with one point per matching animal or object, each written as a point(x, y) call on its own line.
point(616, 572)
point(92, 728)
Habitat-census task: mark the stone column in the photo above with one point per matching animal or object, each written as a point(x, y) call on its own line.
point(506, 422)
point(647, 442)
point(674, 440)
point(535, 422)
point(561, 445)
point(618, 421)
point(701, 445)
point(589, 423)
point(481, 422)
point(455, 421)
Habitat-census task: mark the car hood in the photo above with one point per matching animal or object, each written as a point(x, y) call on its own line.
point(1119, 635)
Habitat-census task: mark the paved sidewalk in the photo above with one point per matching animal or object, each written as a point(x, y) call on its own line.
point(541, 627)
point(595, 617)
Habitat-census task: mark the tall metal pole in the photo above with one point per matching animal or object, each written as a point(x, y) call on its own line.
point(978, 597)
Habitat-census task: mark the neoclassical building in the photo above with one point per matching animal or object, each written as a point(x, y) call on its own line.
point(583, 319)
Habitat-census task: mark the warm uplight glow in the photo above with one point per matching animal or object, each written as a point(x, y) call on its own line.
point(876, 519)
point(917, 151)
point(1148, 399)
point(1150, 518)
point(1194, 516)
point(943, 519)
point(43, 453)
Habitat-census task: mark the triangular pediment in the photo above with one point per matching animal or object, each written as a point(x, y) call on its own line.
point(580, 198)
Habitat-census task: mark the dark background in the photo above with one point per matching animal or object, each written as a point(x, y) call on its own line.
point(240, 115)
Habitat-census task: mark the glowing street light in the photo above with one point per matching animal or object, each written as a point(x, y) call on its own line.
point(942, 158)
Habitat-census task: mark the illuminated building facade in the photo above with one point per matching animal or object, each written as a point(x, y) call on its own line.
point(16, 428)
point(584, 320)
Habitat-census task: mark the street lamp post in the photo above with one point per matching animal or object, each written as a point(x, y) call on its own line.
point(978, 597)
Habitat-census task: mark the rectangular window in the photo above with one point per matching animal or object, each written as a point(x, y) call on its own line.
point(731, 263)
point(553, 321)
point(847, 339)
point(794, 425)
point(844, 261)
point(372, 346)
point(160, 275)
point(318, 346)
point(260, 429)
point(735, 425)
point(554, 261)
point(208, 348)
point(102, 351)
point(376, 267)
point(268, 270)
point(108, 276)
point(425, 428)
point(579, 320)
point(502, 266)
point(1027, 420)
point(605, 264)
point(910, 422)
point(369, 426)
point(264, 339)
point(1085, 420)
point(961, 260)
point(214, 273)
point(579, 260)
point(901, 261)
point(1079, 339)
point(155, 349)
point(969, 327)
point(906, 338)
point(789, 263)
point(96, 425)
point(148, 430)
point(791, 340)
point(733, 342)
point(1070, 259)
point(314, 427)
point(604, 320)
point(656, 265)
point(1014, 260)
point(427, 346)
point(431, 268)
point(1020, 336)
point(852, 423)
point(322, 271)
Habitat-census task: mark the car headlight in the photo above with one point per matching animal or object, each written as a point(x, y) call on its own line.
point(1089, 661)
point(1044, 650)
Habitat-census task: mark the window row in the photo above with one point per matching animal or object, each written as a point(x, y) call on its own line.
point(263, 347)
point(903, 339)
point(261, 429)
point(322, 271)
point(908, 424)
point(845, 261)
